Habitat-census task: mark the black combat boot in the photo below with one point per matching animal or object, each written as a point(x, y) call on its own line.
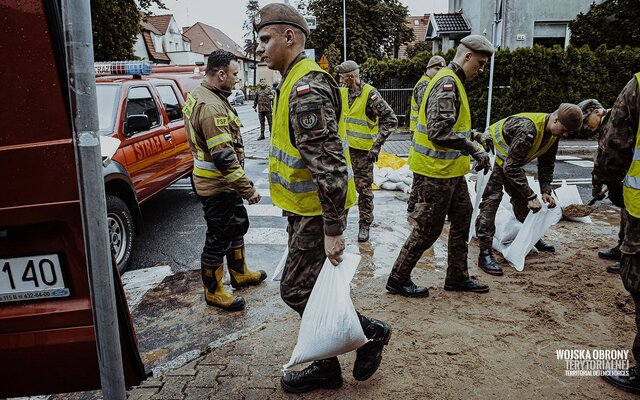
point(323, 374)
point(240, 274)
point(611, 254)
point(261, 137)
point(470, 285)
point(630, 383)
point(363, 233)
point(614, 268)
point(369, 356)
point(488, 263)
point(541, 245)
point(408, 289)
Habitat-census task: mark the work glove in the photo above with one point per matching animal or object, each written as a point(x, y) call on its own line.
point(597, 191)
point(373, 154)
point(482, 160)
point(484, 138)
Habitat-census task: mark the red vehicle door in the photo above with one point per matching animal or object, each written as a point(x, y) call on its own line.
point(147, 154)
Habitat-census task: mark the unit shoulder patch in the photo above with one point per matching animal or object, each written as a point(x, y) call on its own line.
point(188, 106)
point(308, 120)
point(374, 97)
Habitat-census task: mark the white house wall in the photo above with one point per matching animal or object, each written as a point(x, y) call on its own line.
point(140, 48)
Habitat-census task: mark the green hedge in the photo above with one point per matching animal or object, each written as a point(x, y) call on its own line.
point(534, 79)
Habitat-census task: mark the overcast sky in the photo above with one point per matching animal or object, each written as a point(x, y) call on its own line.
point(229, 15)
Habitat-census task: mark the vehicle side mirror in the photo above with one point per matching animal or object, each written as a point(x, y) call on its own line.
point(136, 123)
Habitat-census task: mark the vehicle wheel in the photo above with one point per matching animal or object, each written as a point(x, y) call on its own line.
point(120, 226)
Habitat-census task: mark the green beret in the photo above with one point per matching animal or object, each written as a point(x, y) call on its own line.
point(278, 13)
point(588, 106)
point(478, 43)
point(570, 116)
point(347, 66)
point(436, 61)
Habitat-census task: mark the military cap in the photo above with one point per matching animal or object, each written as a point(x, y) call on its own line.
point(588, 106)
point(277, 13)
point(347, 66)
point(478, 43)
point(436, 61)
point(570, 116)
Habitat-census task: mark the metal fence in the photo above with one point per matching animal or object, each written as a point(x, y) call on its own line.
point(397, 92)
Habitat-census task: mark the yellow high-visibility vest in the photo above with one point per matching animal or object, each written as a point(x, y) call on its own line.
point(290, 182)
point(428, 159)
point(631, 188)
point(362, 132)
point(415, 107)
point(502, 149)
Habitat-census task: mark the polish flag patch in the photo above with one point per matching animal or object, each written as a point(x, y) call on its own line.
point(447, 87)
point(304, 89)
point(374, 97)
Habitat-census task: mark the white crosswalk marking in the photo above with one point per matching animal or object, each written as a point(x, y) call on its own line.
point(277, 236)
point(581, 163)
point(564, 158)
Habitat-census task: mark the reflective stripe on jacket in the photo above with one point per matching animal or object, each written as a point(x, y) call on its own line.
point(361, 131)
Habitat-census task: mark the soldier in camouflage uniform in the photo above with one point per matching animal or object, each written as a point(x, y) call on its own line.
point(518, 140)
point(618, 159)
point(369, 123)
point(440, 152)
point(594, 119)
point(309, 179)
point(213, 131)
point(435, 64)
point(263, 101)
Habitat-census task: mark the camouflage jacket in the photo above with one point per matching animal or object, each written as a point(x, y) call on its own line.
point(615, 146)
point(214, 129)
point(377, 107)
point(519, 134)
point(418, 91)
point(443, 107)
point(264, 99)
point(319, 145)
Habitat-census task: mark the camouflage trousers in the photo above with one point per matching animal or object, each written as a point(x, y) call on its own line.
point(227, 222)
point(262, 115)
point(304, 262)
point(418, 181)
point(630, 270)
point(363, 175)
point(438, 198)
point(486, 222)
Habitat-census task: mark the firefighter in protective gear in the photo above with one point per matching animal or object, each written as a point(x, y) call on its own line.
point(213, 131)
point(368, 121)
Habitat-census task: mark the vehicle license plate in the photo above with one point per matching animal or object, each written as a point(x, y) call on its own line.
point(31, 278)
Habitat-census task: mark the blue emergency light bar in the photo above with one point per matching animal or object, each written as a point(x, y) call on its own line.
point(123, 68)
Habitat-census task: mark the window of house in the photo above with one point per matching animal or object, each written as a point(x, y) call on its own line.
point(416, 22)
point(170, 101)
point(140, 101)
point(549, 34)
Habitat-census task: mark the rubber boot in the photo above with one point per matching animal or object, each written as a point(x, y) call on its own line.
point(240, 274)
point(214, 292)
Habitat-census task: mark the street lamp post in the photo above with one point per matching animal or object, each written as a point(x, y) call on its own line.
point(344, 29)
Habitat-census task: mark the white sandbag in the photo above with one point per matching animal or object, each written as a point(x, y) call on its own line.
point(277, 275)
point(507, 226)
point(568, 194)
point(388, 185)
point(403, 187)
point(408, 180)
point(405, 170)
point(534, 226)
point(394, 176)
point(330, 325)
point(379, 176)
point(481, 184)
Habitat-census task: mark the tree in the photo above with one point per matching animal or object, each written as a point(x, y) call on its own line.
point(419, 47)
point(333, 56)
point(612, 22)
point(375, 28)
point(250, 42)
point(116, 23)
